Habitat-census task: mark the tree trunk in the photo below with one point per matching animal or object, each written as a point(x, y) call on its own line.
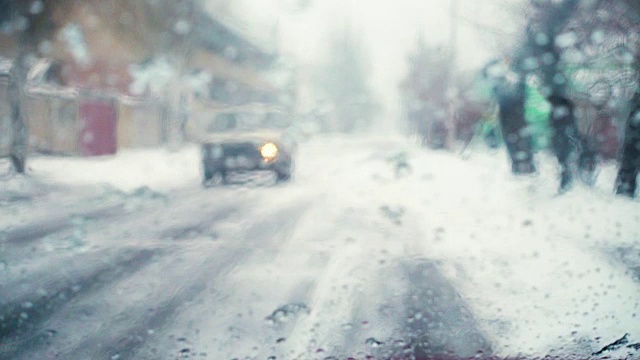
point(566, 138)
point(626, 182)
point(511, 100)
point(20, 133)
point(588, 159)
point(541, 45)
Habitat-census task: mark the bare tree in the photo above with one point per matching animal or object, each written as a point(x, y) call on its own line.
point(344, 79)
point(544, 46)
point(626, 182)
point(605, 42)
point(425, 88)
point(509, 88)
point(25, 25)
point(539, 54)
point(610, 66)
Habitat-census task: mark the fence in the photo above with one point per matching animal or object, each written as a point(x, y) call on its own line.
point(62, 122)
point(141, 124)
point(53, 122)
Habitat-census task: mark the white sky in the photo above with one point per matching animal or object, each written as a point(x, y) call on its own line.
point(389, 27)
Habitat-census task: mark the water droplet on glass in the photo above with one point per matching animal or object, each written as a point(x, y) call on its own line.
point(286, 312)
point(373, 342)
point(530, 63)
point(567, 39)
point(36, 7)
point(627, 57)
point(521, 155)
point(45, 47)
point(541, 39)
point(21, 23)
point(548, 58)
point(27, 305)
point(598, 37)
point(182, 27)
point(574, 56)
point(559, 79)
point(184, 353)
point(347, 327)
point(560, 112)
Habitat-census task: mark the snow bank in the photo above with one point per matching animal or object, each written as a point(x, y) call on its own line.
point(156, 168)
point(537, 269)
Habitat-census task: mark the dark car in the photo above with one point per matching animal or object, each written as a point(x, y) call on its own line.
point(237, 142)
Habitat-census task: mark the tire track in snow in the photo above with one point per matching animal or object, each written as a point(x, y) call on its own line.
point(29, 272)
point(178, 288)
point(439, 323)
point(405, 310)
point(42, 292)
point(25, 234)
point(268, 233)
point(22, 320)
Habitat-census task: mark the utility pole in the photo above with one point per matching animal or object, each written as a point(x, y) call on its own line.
point(453, 33)
point(452, 91)
point(17, 99)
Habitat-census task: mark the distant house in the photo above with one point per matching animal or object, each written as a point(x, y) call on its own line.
point(89, 100)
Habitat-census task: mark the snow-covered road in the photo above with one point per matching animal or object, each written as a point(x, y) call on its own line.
point(377, 248)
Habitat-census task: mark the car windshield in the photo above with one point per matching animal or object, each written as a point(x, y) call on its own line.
point(239, 121)
point(319, 179)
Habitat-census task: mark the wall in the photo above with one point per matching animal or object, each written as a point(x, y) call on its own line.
point(53, 124)
point(140, 124)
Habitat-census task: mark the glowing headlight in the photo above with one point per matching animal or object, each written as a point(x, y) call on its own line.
point(269, 151)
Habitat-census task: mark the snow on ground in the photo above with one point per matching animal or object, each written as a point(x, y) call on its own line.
point(538, 270)
point(57, 185)
point(156, 168)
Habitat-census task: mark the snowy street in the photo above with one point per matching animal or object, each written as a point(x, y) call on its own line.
point(376, 248)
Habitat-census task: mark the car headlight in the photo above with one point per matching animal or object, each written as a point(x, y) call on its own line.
point(269, 151)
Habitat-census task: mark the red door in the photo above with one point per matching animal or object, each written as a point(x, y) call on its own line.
point(97, 127)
